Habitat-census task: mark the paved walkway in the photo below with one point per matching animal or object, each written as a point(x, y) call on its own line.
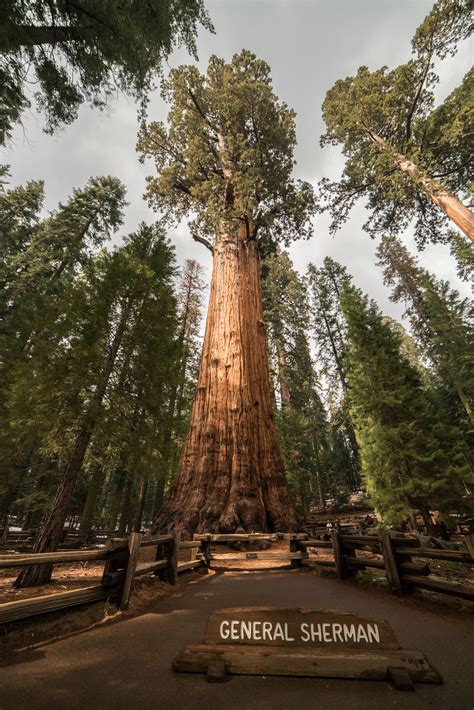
point(127, 664)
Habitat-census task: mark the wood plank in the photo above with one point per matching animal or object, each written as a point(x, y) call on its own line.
point(390, 561)
point(244, 556)
point(190, 544)
point(276, 626)
point(156, 540)
point(260, 660)
point(414, 568)
point(405, 541)
point(23, 608)
point(456, 590)
point(234, 537)
point(316, 543)
point(428, 552)
point(149, 567)
point(360, 562)
point(371, 540)
point(129, 572)
point(51, 558)
point(182, 566)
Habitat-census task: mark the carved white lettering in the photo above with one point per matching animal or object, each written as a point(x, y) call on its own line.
point(316, 633)
point(304, 632)
point(326, 635)
point(336, 632)
point(267, 630)
point(224, 630)
point(374, 633)
point(278, 632)
point(361, 634)
point(349, 632)
point(246, 629)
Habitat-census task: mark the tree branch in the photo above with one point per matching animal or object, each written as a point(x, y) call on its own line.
point(204, 241)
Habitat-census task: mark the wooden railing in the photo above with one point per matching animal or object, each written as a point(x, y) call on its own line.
point(121, 566)
point(401, 558)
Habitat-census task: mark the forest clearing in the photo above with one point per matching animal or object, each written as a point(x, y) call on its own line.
point(236, 342)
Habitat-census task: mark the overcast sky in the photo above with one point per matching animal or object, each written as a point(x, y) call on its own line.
point(309, 44)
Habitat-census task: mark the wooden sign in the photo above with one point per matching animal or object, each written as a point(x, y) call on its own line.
point(297, 627)
point(300, 642)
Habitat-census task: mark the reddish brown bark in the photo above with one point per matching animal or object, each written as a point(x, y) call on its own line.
point(231, 476)
point(449, 203)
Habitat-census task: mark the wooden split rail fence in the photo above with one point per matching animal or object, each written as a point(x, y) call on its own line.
point(401, 558)
point(121, 566)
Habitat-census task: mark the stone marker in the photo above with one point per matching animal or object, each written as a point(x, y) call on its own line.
point(300, 642)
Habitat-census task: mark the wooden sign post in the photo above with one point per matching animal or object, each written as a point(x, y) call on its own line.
point(299, 642)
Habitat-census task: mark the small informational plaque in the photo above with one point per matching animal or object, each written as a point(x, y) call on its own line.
point(303, 642)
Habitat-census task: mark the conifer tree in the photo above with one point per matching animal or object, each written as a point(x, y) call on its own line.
point(86, 51)
point(108, 359)
point(463, 254)
point(225, 159)
point(440, 319)
point(330, 333)
point(412, 459)
point(190, 294)
point(301, 417)
point(408, 159)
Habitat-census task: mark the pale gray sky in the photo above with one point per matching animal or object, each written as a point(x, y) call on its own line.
point(309, 44)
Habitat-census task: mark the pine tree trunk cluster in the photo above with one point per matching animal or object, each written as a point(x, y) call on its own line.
point(231, 476)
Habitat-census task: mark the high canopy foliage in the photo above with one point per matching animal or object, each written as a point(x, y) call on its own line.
point(399, 149)
point(86, 51)
point(226, 156)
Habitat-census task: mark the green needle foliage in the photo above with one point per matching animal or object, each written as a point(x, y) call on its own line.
point(329, 330)
point(301, 417)
point(87, 51)
point(441, 322)
point(400, 151)
point(225, 157)
point(412, 458)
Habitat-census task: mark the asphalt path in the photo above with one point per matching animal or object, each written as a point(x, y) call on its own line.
point(128, 664)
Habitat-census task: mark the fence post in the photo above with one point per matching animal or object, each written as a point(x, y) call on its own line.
point(390, 561)
point(341, 569)
point(295, 547)
point(206, 551)
point(115, 566)
point(170, 553)
point(134, 540)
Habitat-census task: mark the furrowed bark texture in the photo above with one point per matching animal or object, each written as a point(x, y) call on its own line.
point(231, 476)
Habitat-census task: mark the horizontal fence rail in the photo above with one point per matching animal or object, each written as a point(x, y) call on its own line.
point(402, 558)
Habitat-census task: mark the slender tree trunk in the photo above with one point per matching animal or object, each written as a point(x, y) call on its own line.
point(282, 375)
point(449, 203)
point(126, 505)
point(51, 531)
point(137, 523)
point(231, 476)
point(50, 534)
point(87, 516)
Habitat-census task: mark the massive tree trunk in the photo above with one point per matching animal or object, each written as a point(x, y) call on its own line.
point(231, 476)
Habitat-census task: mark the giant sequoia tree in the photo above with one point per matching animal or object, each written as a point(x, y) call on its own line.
point(407, 159)
point(225, 159)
